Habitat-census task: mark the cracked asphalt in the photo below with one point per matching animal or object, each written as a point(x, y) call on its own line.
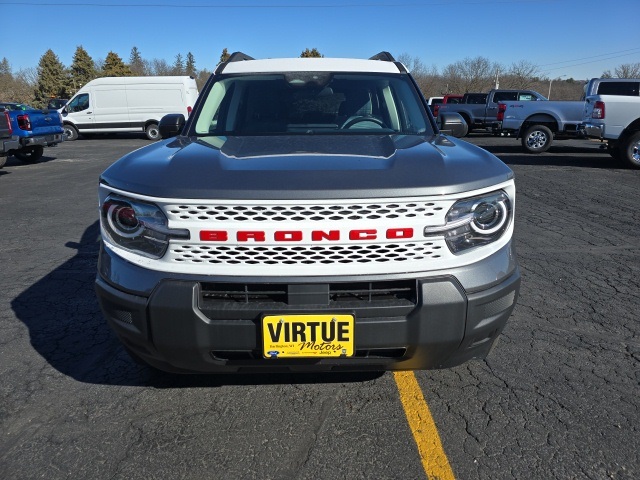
point(558, 398)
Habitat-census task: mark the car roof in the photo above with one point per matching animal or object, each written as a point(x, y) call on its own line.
point(311, 65)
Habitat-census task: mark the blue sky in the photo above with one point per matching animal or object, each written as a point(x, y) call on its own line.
point(565, 38)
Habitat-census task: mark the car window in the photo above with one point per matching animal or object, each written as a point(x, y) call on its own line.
point(505, 96)
point(308, 102)
point(628, 89)
point(79, 103)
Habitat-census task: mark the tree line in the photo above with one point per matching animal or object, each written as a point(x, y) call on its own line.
point(51, 79)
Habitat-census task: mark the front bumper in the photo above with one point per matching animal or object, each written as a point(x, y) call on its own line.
point(189, 325)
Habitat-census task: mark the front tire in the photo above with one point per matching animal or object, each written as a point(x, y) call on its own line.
point(152, 132)
point(70, 133)
point(30, 155)
point(630, 150)
point(537, 139)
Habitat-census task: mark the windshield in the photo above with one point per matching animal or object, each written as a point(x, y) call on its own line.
point(312, 103)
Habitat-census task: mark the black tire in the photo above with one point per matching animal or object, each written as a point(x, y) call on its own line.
point(537, 139)
point(630, 150)
point(30, 154)
point(152, 132)
point(70, 132)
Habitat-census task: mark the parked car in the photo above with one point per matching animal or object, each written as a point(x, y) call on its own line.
point(447, 99)
point(614, 117)
point(307, 216)
point(127, 104)
point(29, 131)
point(537, 124)
point(483, 115)
point(433, 102)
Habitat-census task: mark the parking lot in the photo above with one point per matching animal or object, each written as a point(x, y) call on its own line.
point(558, 397)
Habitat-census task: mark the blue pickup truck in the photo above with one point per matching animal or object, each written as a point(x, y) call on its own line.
point(25, 131)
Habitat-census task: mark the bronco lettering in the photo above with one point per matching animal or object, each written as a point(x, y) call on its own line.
point(298, 235)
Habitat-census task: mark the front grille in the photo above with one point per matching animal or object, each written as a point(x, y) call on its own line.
point(339, 295)
point(305, 254)
point(302, 213)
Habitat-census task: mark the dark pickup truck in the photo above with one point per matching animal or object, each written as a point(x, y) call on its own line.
point(25, 131)
point(483, 115)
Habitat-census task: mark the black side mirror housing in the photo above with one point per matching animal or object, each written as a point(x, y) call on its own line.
point(453, 124)
point(171, 125)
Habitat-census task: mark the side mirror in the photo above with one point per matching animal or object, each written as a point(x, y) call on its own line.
point(171, 125)
point(453, 124)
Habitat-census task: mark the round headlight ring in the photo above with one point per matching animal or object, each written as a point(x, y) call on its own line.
point(123, 221)
point(489, 218)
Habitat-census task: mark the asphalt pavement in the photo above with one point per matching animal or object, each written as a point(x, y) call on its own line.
point(558, 397)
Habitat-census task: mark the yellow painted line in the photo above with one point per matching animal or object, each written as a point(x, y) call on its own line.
point(434, 460)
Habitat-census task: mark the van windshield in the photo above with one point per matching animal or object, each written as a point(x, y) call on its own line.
point(312, 103)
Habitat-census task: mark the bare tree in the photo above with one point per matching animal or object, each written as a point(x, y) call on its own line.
point(519, 75)
point(628, 70)
point(470, 75)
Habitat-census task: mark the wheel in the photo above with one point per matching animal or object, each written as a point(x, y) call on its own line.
point(29, 155)
point(361, 119)
point(3, 160)
point(537, 139)
point(152, 131)
point(630, 150)
point(70, 132)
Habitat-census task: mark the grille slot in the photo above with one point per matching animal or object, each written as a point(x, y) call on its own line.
point(340, 295)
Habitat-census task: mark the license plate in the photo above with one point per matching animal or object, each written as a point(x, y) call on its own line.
point(307, 336)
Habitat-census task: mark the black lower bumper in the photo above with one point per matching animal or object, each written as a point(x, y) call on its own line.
point(195, 327)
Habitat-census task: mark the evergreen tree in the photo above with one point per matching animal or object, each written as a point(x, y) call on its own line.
point(82, 70)
point(136, 64)
point(115, 67)
point(51, 79)
point(5, 67)
point(313, 53)
point(178, 65)
point(224, 56)
point(190, 67)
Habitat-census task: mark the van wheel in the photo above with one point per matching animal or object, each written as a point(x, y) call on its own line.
point(537, 139)
point(30, 155)
point(630, 150)
point(152, 131)
point(70, 133)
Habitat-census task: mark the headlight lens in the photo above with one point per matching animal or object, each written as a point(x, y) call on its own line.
point(476, 221)
point(138, 227)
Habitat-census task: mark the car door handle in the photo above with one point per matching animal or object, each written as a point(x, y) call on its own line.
point(89, 113)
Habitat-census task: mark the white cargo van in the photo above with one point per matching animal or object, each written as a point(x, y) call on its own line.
point(127, 104)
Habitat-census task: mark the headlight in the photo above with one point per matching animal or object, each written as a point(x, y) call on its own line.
point(137, 226)
point(476, 221)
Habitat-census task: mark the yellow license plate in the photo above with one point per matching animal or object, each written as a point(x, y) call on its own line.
point(307, 336)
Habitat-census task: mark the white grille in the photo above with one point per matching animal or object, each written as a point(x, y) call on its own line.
point(307, 254)
point(304, 213)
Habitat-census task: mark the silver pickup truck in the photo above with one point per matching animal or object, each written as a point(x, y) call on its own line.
point(484, 115)
point(614, 118)
point(536, 124)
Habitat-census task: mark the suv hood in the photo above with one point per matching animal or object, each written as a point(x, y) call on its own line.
point(306, 167)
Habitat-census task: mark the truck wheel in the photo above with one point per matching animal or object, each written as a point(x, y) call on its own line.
point(152, 131)
point(537, 139)
point(30, 155)
point(630, 150)
point(70, 133)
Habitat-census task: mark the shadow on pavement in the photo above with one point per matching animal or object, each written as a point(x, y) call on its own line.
point(66, 327)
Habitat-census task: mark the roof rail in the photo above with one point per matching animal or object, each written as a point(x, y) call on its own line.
point(234, 57)
point(384, 56)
